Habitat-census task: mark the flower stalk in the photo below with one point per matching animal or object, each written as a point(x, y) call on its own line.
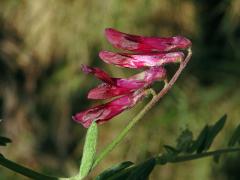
point(140, 115)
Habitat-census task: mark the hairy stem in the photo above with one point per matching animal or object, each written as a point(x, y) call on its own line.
point(139, 116)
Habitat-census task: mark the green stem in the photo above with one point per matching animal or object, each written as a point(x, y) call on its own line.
point(139, 116)
point(198, 156)
point(23, 170)
point(122, 134)
point(179, 159)
point(152, 92)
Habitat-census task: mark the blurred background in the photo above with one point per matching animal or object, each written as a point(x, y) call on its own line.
point(42, 45)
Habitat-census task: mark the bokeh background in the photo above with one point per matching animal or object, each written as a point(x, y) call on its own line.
point(42, 45)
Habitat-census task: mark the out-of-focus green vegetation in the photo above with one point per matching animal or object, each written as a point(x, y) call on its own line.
point(42, 45)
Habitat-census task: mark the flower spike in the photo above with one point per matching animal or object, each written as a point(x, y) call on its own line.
point(151, 53)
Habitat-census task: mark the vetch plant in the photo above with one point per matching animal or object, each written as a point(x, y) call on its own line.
point(150, 54)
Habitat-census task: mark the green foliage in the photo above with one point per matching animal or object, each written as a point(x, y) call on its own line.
point(235, 137)
point(136, 172)
point(4, 141)
point(184, 141)
point(143, 170)
point(114, 170)
point(89, 150)
point(19, 168)
point(198, 145)
point(186, 149)
point(213, 131)
point(24, 170)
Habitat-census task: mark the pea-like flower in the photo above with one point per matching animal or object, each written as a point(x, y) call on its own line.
point(151, 53)
point(119, 86)
point(146, 44)
point(141, 60)
point(105, 112)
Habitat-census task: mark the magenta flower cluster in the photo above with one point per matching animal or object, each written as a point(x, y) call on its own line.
point(151, 53)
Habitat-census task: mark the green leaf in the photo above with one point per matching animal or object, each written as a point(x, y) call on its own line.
point(216, 158)
point(235, 137)
point(207, 135)
point(24, 170)
point(170, 149)
point(184, 141)
point(113, 170)
point(214, 130)
point(4, 141)
point(89, 151)
point(143, 170)
point(198, 145)
point(190, 157)
point(162, 160)
point(137, 172)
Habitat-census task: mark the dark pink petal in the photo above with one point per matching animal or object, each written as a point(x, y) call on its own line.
point(106, 91)
point(105, 112)
point(146, 44)
point(125, 86)
point(140, 60)
point(100, 74)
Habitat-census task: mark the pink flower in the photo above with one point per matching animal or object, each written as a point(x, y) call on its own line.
point(105, 112)
point(146, 44)
point(121, 86)
point(141, 60)
point(150, 52)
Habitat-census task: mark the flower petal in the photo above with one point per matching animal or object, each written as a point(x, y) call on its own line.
point(100, 74)
point(140, 60)
point(105, 112)
point(106, 91)
point(146, 44)
point(125, 86)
